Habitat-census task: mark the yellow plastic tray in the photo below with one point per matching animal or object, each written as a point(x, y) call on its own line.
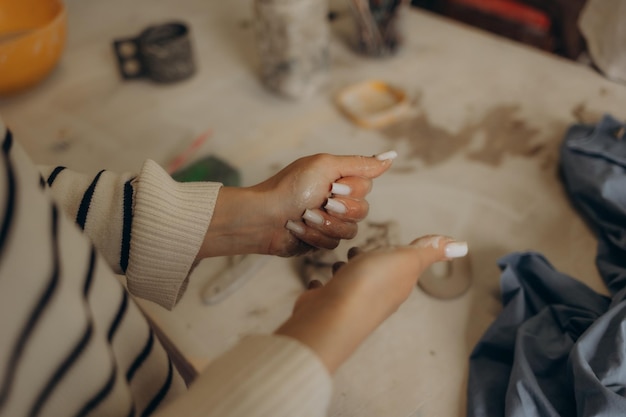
point(373, 104)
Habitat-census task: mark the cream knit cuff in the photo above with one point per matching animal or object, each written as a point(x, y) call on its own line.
point(170, 221)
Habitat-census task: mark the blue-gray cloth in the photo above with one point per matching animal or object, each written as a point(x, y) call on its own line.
point(559, 348)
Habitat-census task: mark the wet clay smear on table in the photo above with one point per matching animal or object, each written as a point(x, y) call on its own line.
point(500, 132)
point(583, 115)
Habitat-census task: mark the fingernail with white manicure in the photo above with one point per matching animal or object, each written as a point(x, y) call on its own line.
point(340, 189)
point(456, 250)
point(387, 155)
point(313, 217)
point(297, 228)
point(336, 206)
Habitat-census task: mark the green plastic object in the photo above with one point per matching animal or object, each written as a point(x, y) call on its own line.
point(209, 168)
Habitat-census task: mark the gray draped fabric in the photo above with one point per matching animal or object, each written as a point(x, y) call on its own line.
point(558, 348)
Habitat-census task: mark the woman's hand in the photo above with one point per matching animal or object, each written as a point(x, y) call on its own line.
point(313, 203)
point(334, 319)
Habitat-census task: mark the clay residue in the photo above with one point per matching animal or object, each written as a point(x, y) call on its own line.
point(555, 134)
point(585, 116)
point(402, 169)
point(504, 133)
point(256, 312)
point(427, 141)
point(380, 235)
point(63, 140)
point(499, 133)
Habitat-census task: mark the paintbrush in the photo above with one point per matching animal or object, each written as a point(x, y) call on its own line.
point(375, 21)
point(369, 36)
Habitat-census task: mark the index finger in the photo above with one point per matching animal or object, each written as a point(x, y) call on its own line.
point(427, 250)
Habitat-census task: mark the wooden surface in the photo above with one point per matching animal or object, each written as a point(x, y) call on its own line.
point(477, 161)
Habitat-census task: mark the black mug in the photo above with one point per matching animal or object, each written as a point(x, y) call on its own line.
point(161, 53)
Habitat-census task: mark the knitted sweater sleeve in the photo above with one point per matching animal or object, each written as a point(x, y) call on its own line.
point(148, 226)
point(264, 375)
point(73, 343)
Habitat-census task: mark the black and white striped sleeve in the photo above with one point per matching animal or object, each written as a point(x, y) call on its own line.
point(71, 342)
point(101, 205)
point(147, 226)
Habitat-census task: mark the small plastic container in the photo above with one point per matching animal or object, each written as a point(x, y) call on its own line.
point(373, 104)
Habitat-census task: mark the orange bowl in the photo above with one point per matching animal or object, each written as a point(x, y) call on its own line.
point(32, 38)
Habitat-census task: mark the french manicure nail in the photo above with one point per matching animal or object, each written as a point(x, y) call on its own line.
point(336, 206)
point(297, 228)
point(313, 217)
point(456, 250)
point(340, 189)
point(428, 242)
point(387, 155)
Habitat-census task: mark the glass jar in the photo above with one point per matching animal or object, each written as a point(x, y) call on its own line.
point(293, 42)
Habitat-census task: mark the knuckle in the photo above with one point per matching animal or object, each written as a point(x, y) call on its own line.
point(321, 158)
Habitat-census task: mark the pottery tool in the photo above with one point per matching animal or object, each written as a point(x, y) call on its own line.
point(368, 34)
point(385, 14)
point(208, 168)
point(182, 158)
point(238, 271)
point(376, 25)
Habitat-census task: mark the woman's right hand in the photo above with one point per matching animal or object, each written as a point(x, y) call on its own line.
point(314, 202)
point(333, 320)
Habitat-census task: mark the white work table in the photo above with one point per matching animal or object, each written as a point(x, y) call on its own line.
point(477, 161)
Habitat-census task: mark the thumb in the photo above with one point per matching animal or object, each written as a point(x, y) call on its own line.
point(364, 166)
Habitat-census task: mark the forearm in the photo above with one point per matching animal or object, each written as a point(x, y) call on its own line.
point(323, 332)
point(261, 376)
point(333, 329)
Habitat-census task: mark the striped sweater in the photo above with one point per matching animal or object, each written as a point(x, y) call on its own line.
point(74, 343)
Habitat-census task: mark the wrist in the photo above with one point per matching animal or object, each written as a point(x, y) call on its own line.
point(240, 224)
point(332, 328)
